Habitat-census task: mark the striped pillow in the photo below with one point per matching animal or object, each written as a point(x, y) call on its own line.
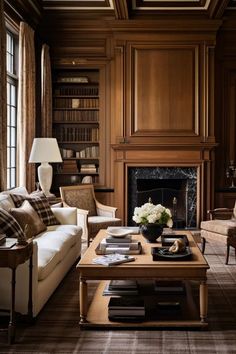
point(10, 227)
point(40, 205)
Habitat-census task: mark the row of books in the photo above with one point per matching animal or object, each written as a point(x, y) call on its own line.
point(126, 308)
point(132, 287)
point(67, 153)
point(76, 134)
point(88, 152)
point(76, 102)
point(72, 166)
point(88, 168)
point(79, 91)
point(77, 79)
point(69, 166)
point(127, 300)
point(75, 116)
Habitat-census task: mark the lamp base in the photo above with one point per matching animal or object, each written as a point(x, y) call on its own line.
point(45, 178)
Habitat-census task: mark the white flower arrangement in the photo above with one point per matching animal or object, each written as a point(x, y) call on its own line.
point(153, 214)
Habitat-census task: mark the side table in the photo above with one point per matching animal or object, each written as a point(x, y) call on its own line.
point(11, 258)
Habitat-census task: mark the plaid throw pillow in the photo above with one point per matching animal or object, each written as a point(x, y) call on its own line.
point(40, 205)
point(10, 227)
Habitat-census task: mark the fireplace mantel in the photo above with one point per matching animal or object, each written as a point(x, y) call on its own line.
point(165, 146)
point(200, 155)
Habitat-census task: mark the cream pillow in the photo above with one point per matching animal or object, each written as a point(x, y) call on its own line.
point(28, 219)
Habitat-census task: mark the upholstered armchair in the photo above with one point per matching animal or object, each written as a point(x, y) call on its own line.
point(91, 215)
point(221, 226)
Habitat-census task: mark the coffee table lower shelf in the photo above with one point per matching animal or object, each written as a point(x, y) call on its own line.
point(97, 316)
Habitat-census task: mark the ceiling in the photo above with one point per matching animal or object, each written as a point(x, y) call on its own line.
point(130, 8)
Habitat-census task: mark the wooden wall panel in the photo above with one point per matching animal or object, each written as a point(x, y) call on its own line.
point(225, 117)
point(164, 90)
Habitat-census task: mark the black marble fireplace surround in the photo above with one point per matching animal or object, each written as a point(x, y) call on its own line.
point(173, 187)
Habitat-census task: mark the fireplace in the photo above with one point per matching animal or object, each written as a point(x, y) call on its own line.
point(173, 187)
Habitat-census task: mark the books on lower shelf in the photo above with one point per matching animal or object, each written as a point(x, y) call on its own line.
point(126, 307)
point(170, 287)
point(121, 287)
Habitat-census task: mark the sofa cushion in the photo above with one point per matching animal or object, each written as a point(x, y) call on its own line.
point(47, 262)
point(26, 215)
point(52, 248)
point(223, 227)
point(10, 227)
point(6, 202)
point(40, 205)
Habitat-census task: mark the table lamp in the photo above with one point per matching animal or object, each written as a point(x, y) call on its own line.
point(45, 150)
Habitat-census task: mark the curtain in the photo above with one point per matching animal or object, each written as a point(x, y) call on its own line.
point(46, 87)
point(3, 104)
point(26, 106)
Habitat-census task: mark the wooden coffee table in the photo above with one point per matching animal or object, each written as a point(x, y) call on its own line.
point(143, 268)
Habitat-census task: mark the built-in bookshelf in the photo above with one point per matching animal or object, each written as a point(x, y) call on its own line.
point(76, 125)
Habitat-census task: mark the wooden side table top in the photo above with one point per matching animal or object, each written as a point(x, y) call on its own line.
point(18, 254)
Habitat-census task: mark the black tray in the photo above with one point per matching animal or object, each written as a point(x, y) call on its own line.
point(168, 240)
point(158, 255)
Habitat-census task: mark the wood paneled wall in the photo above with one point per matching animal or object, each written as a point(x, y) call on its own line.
point(225, 116)
point(159, 91)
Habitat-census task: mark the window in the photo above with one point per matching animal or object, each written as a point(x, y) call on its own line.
point(12, 82)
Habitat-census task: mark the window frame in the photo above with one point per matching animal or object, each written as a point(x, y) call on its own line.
point(12, 94)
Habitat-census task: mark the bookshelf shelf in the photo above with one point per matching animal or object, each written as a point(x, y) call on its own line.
point(78, 122)
point(77, 109)
point(76, 118)
point(76, 173)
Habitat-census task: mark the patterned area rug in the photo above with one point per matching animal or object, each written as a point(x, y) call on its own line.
point(56, 329)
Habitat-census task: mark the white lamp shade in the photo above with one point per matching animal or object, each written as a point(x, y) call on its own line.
point(45, 150)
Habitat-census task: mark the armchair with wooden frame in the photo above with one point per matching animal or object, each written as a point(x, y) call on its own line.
point(91, 214)
point(221, 226)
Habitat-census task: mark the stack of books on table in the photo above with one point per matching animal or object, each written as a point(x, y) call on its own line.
point(121, 287)
point(126, 308)
point(122, 245)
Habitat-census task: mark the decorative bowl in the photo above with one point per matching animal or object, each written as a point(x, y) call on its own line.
point(118, 232)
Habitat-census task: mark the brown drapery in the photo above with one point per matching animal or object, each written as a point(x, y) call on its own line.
point(3, 104)
point(26, 106)
point(46, 87)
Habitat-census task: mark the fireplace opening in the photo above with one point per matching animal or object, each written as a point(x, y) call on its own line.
point(173, 187)
point(172, 193)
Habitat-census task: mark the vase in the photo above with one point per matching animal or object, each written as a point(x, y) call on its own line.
point(151, 231)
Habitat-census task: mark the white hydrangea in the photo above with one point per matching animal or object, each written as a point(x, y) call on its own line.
point(150, 213)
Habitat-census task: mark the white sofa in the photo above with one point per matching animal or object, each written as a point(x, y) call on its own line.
point(54, 252)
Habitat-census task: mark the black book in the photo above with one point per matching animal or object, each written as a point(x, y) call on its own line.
point(126, 302)
point(169, 287)
point(123, 284)
point(126, 312)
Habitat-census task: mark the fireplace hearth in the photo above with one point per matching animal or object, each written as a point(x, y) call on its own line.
point(173, 187)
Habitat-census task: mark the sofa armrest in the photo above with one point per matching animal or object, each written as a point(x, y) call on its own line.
point(220, 213)
point(66, 216)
